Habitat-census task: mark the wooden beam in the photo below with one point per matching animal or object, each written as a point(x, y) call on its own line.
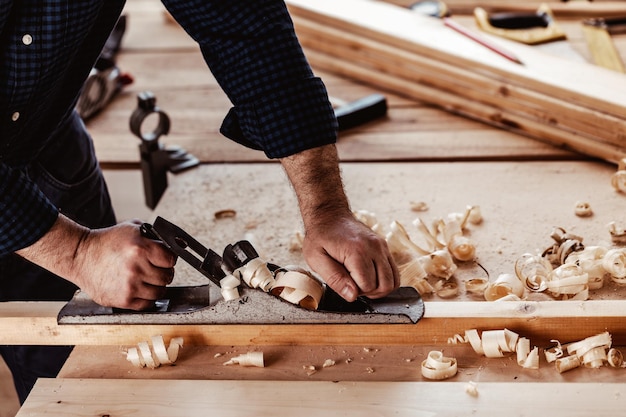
point(408, 49)
point(541, 321)
point(572, 9)
point(99, 397)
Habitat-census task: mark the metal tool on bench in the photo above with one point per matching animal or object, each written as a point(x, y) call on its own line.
point(198, 305)
point(355, 113)
point(440, 10)
point(528, 28)
point(156, 159)
point(598, 34)
point(105, 79)
point(538, 29)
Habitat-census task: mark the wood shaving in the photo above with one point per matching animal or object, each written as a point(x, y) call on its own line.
point(310, 369)
point(225, 214)
point(155, 355)
point(247, 359)
point(328, 363)
point(471, 388)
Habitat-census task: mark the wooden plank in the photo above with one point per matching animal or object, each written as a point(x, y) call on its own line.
point(572, 9)
point(500, 94)
point(541, 321)
point(398, 37)
point(66, 397)
point(404, 29)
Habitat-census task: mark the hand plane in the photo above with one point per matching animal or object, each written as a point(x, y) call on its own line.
point(203, 304)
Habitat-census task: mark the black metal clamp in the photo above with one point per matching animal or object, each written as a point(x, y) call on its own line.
point(156, 159)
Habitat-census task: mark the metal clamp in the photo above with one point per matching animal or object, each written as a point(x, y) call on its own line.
point(156, 159)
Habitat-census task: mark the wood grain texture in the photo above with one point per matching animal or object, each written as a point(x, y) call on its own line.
point(436, 64)
point(367, 362)
point(74, 397)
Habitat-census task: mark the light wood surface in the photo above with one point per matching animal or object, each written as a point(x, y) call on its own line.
point(68, 397)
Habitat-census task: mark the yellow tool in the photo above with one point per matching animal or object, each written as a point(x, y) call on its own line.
point(528, 28)
point(598, 34)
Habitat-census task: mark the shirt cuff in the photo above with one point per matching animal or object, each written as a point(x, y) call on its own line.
point(287, 121)
point(26, 214)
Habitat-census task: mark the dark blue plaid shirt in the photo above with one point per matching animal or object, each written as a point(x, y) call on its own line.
point(47, 48)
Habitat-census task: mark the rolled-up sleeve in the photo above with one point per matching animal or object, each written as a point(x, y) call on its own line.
point(25, 213)
point(279, 106)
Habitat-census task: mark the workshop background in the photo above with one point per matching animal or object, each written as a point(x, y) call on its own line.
point(161, 58)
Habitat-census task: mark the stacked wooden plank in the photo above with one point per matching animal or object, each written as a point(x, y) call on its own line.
point(570, 104)
point(579, 9)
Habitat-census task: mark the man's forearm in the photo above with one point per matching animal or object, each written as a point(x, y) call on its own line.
point(57, 250)
point(316, 179)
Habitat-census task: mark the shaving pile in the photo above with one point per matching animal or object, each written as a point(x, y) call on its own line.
point(592, 352)
point(498, 343)
point(443, 246)
point(145, 355)
point(293, 284)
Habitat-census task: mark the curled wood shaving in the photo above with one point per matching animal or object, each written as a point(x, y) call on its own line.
point(447, 289)
point(618, 236)
point(618, 181)
point(298, 287)
point(554, 353)
point(156, 355)
point(567, 363)
point(533, 271)
point(615, 358)
point(229, 287)
point(476, 286)
point(438, 367)
point(256, 274)
point(247, 359)
point(568, 282)
point(590, 261)
point(614, 262)
point(583, 209)
point(310, 369)
point(590, 352)
point(439, 264)
point(497, 343)
point(225, 214)
point(504, 286)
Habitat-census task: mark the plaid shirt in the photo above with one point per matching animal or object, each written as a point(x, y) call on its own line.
point(48, 47)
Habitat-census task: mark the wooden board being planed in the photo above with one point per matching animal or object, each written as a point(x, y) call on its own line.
point(566, 103)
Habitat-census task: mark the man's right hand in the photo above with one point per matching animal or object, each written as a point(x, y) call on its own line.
point(116, 266)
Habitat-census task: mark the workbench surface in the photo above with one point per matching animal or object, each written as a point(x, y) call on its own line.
point(417, 154)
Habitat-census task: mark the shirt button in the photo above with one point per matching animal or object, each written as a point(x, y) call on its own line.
point(15, 116)
point(27, 39)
